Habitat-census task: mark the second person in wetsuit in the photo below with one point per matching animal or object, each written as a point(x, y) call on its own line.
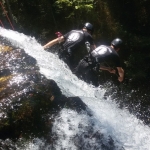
point(90, 65)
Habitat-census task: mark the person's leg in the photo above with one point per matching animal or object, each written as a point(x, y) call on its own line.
point(81, 68)
point(93, 77)
point(85, 71)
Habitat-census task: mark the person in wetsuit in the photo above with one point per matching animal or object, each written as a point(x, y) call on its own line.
point(89, 66)
point(71, 42)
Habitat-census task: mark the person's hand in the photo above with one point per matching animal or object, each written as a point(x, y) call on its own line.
point(112, 71)
point(44, 47)
point(120, 79)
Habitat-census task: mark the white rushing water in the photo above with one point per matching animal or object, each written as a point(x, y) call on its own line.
point(124, 128)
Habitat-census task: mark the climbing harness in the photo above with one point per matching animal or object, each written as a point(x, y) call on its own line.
point(6, 16)
point(88, 46)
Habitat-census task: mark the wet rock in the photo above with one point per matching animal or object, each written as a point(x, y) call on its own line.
point(25, 94)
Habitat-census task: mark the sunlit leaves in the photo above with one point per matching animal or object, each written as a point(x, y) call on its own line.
point(82, 5)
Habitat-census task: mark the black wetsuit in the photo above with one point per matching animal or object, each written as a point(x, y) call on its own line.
point(88, 67)
point(73, 40)
point(106, 53)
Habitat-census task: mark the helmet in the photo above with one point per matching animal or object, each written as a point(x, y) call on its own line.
point(117, 42)
point(89, 26)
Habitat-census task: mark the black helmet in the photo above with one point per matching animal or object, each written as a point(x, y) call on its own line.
point(117, 43)
point(89, 27)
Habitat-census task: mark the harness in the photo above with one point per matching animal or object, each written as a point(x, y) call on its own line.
point(92, 61)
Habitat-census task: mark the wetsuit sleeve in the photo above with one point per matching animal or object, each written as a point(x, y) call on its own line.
point(66, 35)
point(91, 41)
point(89, 38)
point(117, 61)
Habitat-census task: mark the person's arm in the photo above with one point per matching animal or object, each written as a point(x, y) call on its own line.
point(109, 69)
point(121, 74)
point(53, 42)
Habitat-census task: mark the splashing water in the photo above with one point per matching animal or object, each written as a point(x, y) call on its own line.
point(124, 128)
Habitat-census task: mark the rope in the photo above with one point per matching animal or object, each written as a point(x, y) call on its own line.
point(2, 24)
point(53, 16)
point(6, 15)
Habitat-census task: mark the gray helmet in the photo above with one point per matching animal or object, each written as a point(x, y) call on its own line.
point(117, 43)
point(89, 27)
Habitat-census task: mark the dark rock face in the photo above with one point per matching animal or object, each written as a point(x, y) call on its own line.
point(25, 94)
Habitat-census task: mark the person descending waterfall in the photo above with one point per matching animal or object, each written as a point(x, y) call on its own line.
point(89, 66)
point(71, 42)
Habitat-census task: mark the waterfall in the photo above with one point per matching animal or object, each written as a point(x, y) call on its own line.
point(105, 119)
